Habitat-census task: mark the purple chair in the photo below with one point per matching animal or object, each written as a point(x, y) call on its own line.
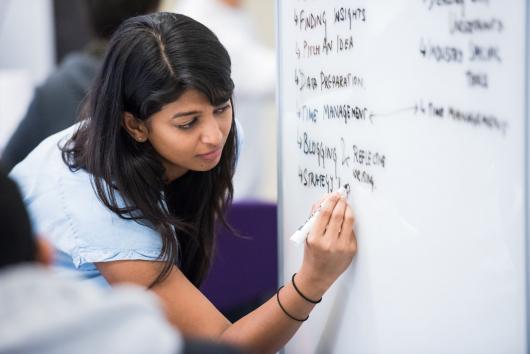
point(244, 272)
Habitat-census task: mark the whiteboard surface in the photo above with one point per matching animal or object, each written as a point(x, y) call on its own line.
point(422, 110)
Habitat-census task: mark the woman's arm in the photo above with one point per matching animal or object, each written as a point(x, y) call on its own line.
point(328, 252)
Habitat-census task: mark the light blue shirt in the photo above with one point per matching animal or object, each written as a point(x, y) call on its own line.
point(65, 210)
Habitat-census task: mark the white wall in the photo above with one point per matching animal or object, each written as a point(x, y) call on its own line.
point(26, 37)
point(26, 57)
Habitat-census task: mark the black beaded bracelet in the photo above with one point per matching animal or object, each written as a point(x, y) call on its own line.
point(302, 295)
point(285, 311)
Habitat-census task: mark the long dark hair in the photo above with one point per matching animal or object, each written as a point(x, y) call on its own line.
point(151, 60)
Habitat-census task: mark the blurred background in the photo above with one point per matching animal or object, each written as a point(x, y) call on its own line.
point(37, 35)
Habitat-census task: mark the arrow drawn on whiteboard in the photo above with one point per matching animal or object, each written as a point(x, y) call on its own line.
point(393, 113)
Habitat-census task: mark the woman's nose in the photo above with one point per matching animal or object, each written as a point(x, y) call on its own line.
point(212, 133)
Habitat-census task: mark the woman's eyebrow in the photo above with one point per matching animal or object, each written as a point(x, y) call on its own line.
point(181, 114)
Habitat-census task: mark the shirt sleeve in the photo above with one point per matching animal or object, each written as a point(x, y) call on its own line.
point(65, 209)
point(97, 234)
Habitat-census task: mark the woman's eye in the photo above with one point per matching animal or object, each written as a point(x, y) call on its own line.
point(222, 109)
point(187, 125)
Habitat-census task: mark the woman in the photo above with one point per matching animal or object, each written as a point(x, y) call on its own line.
point(133, 192)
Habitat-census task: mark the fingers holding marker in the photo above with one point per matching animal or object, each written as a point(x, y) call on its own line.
point(325, 213)
point(331, 243)
point(347, 234)
point(318, 204)
point(335, 222)
point(320, 218)
point(303, 232)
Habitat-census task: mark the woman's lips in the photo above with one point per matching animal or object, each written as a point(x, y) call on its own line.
point(212, 155)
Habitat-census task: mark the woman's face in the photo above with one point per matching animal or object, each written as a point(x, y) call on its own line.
point(189, 133)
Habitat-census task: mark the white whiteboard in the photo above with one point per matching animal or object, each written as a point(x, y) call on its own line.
point(423, 112)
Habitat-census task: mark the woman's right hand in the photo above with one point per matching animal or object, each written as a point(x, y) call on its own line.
point(329, 248)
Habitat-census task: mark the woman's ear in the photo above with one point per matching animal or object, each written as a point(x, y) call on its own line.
point(135, 127)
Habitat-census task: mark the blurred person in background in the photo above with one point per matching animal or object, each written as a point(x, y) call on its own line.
point(44, 313)
point(254, 75)
point(56, 102)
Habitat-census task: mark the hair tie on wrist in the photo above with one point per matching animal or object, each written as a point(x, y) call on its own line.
point(302, 295)
point(285, 311)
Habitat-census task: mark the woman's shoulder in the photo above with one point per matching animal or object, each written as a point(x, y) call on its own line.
point(65, 208)
point(44, 166)
point(100, 233)
point(46, 158)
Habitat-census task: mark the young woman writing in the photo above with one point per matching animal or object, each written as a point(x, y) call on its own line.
point(132, 193)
